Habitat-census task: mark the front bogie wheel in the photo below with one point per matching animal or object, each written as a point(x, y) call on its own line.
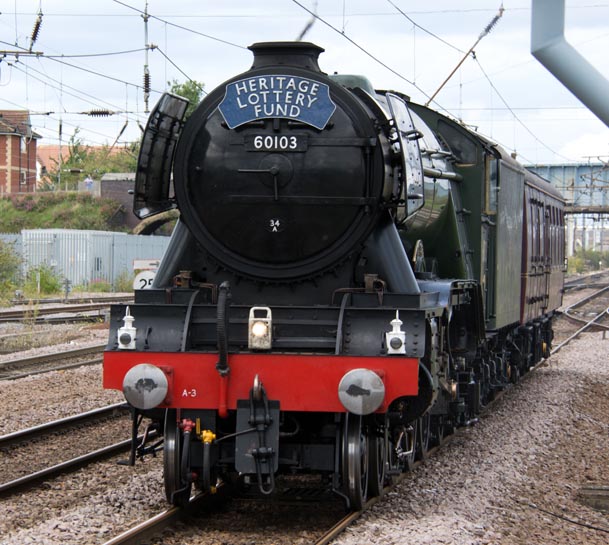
point(177, 490)
point(355, 461)
point(378, 447)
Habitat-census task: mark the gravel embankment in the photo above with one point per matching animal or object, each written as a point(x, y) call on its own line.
point(512, 479)
point(41, 398)
point(86, 507)
point(91, 505)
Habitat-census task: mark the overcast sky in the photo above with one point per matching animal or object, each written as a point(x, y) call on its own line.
point(504, 92)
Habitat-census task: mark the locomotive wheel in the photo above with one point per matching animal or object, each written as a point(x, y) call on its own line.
point(424, 434)
point(176, 492)
point(355, 461)
point(377, 460)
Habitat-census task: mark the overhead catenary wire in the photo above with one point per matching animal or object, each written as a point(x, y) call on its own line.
point(95, 112)
point(83, 93)
point(80, 92)
point(425, 29)
point(22, 51)
point(180, 70)
point(96, 73)
point(52, 132)
point(79, 96)
point(137, 12)
point(105, 54)
point(151, 47)
point(60, 59)
point(180, 26)
point(531, 133)
point(228, 15)
point(361, 48)
point(484, 33)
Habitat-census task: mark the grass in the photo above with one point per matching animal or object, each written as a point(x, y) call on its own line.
point(56, 210)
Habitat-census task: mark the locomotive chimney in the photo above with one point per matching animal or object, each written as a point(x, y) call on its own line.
point(295, 54)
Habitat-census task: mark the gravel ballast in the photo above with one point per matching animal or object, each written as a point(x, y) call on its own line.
point(514, 478)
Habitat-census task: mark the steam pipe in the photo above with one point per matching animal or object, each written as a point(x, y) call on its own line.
point(549, 47)
point(389, 259)
point(177, 248)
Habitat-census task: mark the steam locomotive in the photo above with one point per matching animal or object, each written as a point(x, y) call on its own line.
point(352, 276)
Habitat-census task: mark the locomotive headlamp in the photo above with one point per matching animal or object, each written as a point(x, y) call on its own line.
point(395, 339)
point(126, 333)
point(260, 328)
point(361, 391)
point(145, 386)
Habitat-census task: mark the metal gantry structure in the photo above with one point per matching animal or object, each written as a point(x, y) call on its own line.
point(585, 187)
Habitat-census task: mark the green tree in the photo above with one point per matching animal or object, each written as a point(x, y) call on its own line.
point(83, 160)
point(191, 89)
point(42, 280)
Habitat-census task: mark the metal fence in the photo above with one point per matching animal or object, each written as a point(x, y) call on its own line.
point(85, 257)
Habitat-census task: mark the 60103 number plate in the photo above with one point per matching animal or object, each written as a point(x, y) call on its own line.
point(276, 142)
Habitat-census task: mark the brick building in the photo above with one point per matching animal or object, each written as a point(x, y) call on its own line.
point(17, 152)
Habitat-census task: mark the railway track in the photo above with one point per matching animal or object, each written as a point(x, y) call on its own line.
point(590, 280)
point(19, 368)
point(154, 526)
point(588, 313)
point(157, 523)
point(72, 300)
point(56, 314)
point(49, 431)
point(169, 517)
point(596, 304)
point(323, 530)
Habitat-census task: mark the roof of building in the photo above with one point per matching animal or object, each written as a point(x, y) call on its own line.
point(48, 155)
point(118, 177)
point(17, 122)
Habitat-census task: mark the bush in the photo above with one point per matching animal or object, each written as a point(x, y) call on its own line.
point(99, 286)
point(124, 282)
point(43, 280)
point(62, 210)
point(10, 270)
point(587, 260)
point(575, 265)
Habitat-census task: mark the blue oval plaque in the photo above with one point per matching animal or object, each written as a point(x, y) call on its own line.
point(268, 96)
